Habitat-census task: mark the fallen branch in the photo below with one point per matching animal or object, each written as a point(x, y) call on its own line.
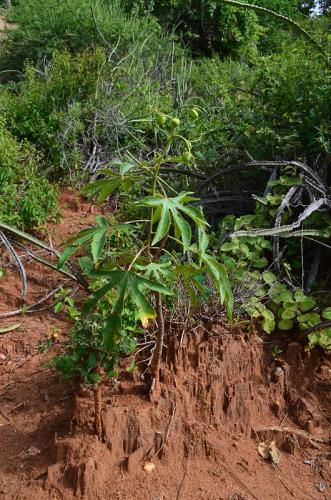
point(282, 207)
point(46, 263)
point(286, 228)
point(25, 236)
point(296, 432)
point(18, 262)
point(321, 326)
point(32, 308)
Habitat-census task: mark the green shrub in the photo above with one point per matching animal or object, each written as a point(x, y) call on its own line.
point(88, 99)
point(45, 105)
point(277, 108)
point(48, 25)
point(207, 26)
point(26, 197)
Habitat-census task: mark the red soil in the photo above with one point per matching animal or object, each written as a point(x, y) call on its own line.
point(221, 394)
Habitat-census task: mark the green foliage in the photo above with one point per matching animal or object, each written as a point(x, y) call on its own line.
point(276, 307)
point(228, 27)
point(206, 25)
point(277, 108)
point(46, 104)
point(86, 351)
point(90, 98)
point(26, 197)
point(260, 292)
point(274, 107)
point(64, 302)
point(295, 96)
point(322, 339)
point(48, 25)
point(247, 252)
point(93, 88)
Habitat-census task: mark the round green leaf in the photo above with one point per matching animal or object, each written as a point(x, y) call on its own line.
point(259, 263)
point(299, 296)
point(290, 305)
point(260, 292)
point(285, 324)
point(307, 303)
point(226, 247)
point(326, 313)
point(314, 319)
point(268, 325)
point(268, 315)
point(313, 338)
point(286, 296)
point(229, 262)
point(288, 314)
point(269, 278)
point(325, 339)
point(311, 318)
point(276, 298)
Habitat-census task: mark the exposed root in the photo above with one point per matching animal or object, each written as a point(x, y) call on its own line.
point(296, 432)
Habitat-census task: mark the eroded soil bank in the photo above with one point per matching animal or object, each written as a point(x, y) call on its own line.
point(221, 394)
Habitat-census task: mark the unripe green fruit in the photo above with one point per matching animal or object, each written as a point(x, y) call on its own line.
point(187, 156)
point(175, 122)
point(161, 119)
point(193, 114)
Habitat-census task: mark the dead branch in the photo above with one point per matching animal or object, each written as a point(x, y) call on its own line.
point(316, 205)
point(296, 432)
point(284, 204)
point(32, 308)
point(18, 262)
point(321, 326)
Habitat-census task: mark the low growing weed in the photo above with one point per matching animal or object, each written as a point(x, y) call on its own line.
point(27, 199)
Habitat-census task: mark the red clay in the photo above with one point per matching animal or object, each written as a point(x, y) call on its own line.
point(220, 395)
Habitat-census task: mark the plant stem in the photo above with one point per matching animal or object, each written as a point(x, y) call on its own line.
point(157, 167)
point(157, 353)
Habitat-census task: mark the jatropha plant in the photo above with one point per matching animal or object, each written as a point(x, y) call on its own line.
point(170, 244)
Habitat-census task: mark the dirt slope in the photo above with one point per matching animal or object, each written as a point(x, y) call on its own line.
point(221, 394)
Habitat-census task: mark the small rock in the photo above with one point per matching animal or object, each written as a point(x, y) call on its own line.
point(321, 486)
point(268, 449)
point(30, 452)
point(278, 374)
point(149, 467)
